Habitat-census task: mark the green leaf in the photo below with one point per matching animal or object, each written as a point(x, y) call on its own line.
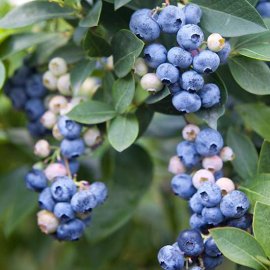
point(92, 18)
point(80, 72)
point(92, 112)
point(245, 163)
point(34, 12)
point(251, 75)
point(230, 18)
point(253, 2)
point(126, 48)
point(123, 131)
point(256, 117)
point(126, 189)
point(261, 226)
point(123, 93)
point(120, 3)
point(2, 74)
point(19, 42)
point(153, 98)
point(239, 246)
point(264, 159)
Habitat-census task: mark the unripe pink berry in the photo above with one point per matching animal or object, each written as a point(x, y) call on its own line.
point(64, 85)
point(151, 83)
point(227, 154)
point(58, 66)
point(48, 119)
point(56, 133)
point(201, 177)
point(213, 163)
point(47, 221)
point(57, 103)
point(215, 42)
point(42, 148)
point(49, 81)
point(226, 185)
point(92, 137)
point(176, 166)
point(140, 67)
point(54, 170)
point(190, 132)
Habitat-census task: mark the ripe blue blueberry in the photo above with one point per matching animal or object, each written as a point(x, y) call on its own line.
point(74, 165)
point(84, 201)
point(155, 54)
point(210, 95)
point(224, 53)
point(71, 230)
point(191, 81)
point(182, 186)
point(45, 200)
point(72, 148)
point(209, 142)
point(63, 188)
point(69, 128)
point(212, 216)
point(210, 248)
point(187, 153)
point(180, 57)
point(20, 76)
point(100, 191)
point(212, 262)
point(167, 73)
point(234, 204)
point(34, 87)
point(190, 37)
point(36, 129)
point(195, 203)
point(17, 97)
point(210, 194)
point(171, 19)
point(196, 268)
point(206, 62)
point(186, 102)
point(63, 211)
point(190, 242)
point(144, 26)
point(218, 174)
point(170, 258)
point(264, 9)
point(36, 180)
point(34, 109)
point(175, 88)
point(196, 221)
point(193, 14)
point(243, 222)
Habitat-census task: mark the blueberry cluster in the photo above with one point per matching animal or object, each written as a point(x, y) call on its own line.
point(213, 198)
point(183, 66)
point(263, 8)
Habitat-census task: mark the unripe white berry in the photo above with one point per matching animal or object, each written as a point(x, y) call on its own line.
point(64, 85)
point(48, 119)
point(49, 81)
point(55, 170)
point(109, 63)
point(92, 137)
point(90, 86)
point(42, 148)
point(58, 66)
point(227, 154)
point(57, 103)
point(77, 100)
point(202, 176)
point(215, 42)
point(213, 163)
point(66, 109)
point(176, 166)
point(47, 221)
point(226, 185)
point(190, 132)
point(140, 67)
point(56, 133)
point(151, 83)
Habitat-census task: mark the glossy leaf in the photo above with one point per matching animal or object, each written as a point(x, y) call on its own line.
point(120, 3)
point(264, 160)
point(2, 74)
point(92, 18)
point(153, 98)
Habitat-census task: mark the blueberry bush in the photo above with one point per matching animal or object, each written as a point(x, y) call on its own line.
point(135, 134)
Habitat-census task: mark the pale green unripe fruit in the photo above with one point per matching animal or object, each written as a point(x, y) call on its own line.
point(48, 119)
point(57, 103)
point(140, 67)
point(64, 85)
point(92, 137)
point(151, 83)
point(58, 66)
point(49, 81)
point(56, 133)
point(89, 87)
point(47, 221)
point(202, 176)
point(215, 42)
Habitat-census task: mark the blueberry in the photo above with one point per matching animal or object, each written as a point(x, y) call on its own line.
point(34, 87)
point(206, 62)
point(155, 55)
point(36, 180)
point(167, 73)
point(243, 222)
point(196, 222)
point(211, 248)
point(63, 188)
point(191, 81)
point(212, 216)
point(218, 174)
point(264, 9)
point(196, 268)
point(72, 148)
point(193, 14)
point(45, 200)
point(180, 57)
point(34, 109)
point(70, 231)
point(234, 204)
point(210, 95)
point(195, 203)
point(190, 242)
point(190, 37)
point(186, 102)
point(182, 186)
point(224, 53)
point(175, 88)
point(63, 211)
point(36, 129)
point(84, 201)
point(17, 97)
point(212, 262)
point(187, 153)
point(210, 194)
point(144, 26)
point(21, 75)
point(171, 19)
point(170, 258)
point(74, 165)
point(100, 191)
point(69, 128)
point(209, 142)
